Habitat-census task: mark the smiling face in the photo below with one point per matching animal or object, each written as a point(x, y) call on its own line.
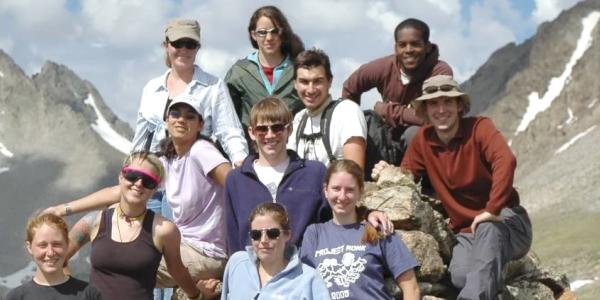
point(270, 138)
point(444, 114)
point(313, 86)
point(181, 58)
point(343, 192)
point(269, 251)
point(48, 249)
point(269, 43)
point(411, 49)
point(183, 123)
point(134, 193)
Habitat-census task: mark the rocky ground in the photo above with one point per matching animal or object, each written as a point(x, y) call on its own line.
point(420, 224)
point(570, 244)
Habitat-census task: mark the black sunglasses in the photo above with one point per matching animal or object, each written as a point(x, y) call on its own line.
point(263, 32)
point(132, 175)
point(187, 43)
point(176, 114)
point(434, 88)
point(272, 233)
point(275, 128)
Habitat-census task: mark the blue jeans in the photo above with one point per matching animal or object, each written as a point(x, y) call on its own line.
point(158, 204)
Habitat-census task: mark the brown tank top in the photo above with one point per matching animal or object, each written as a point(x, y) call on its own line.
point(124, 270)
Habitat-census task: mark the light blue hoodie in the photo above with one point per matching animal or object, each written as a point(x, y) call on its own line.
point(296, 281)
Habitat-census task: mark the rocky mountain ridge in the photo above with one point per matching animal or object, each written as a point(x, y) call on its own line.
point(50, 147)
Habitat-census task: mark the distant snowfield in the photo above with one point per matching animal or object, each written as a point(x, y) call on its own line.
point(537, 104)
point(4, 151)
point(4, 169)
point(15, 279)
point(574, 139)
point(103, 128)
point(579, 283)
point(1, 74)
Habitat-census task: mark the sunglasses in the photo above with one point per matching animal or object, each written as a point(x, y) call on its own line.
point(176, 114)
point(434, 88)
point(184, 43)
point(132, 175)
point(263, 32)
point(275, 128)
point(272, 233)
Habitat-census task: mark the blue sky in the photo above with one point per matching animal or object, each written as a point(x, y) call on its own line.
point(115, 44)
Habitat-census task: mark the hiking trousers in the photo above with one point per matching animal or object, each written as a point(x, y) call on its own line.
point(478, 259)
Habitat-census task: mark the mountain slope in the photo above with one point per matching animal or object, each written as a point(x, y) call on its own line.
point(544, 96)
point(50, 148)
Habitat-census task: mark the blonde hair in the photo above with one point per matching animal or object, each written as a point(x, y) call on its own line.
point(270, 109)
point(52, 220)
point(150, 158)
point(370, 234)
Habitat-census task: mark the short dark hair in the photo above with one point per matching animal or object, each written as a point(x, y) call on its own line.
point(313, 58)
point(417, 24)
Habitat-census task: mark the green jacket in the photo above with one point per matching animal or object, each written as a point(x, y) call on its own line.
point(246, 88)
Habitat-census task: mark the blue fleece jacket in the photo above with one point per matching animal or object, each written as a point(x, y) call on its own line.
point(300, 191)
point(296, 281)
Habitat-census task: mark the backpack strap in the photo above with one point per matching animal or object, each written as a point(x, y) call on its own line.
point(300, 129)
point(323, 134)
point(326, 127)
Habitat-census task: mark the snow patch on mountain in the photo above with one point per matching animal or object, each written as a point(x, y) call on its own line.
point(574, 139)
point(15, 279)
point(103, 128)
point(4, 151)
point(537, 104)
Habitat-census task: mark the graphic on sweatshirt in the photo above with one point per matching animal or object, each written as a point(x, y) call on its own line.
point(344, 273)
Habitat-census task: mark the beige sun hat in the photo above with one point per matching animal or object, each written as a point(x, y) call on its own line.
point(442, 86)
point(183, 28)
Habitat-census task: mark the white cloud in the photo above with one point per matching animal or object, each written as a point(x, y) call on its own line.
point(31, 15)
point(546, 10)
point(125, 24)
point(116, 44)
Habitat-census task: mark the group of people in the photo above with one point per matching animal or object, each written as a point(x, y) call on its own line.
point(195, 208)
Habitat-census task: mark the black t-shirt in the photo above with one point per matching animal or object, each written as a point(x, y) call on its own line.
point(72, 289)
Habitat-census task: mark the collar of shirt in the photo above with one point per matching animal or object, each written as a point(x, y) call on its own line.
point(434, 141)
point(200, 77)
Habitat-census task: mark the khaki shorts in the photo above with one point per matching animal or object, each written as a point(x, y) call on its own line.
point(198, 264)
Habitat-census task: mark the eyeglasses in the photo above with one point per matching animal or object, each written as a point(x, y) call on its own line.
point(263, 32)
point(187, 43)
point(132, 175)
point(275, 128)
point(272, 233)
point(176, 114)
point(434, 88)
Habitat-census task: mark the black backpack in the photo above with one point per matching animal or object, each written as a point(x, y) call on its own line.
point(325, 126)
point(380, 142)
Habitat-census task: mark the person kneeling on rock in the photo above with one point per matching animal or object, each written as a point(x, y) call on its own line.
point(471, 169)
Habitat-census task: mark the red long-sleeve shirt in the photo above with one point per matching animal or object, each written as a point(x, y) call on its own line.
point(473, 173)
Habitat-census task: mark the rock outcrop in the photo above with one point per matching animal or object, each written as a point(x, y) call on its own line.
point(423, 230)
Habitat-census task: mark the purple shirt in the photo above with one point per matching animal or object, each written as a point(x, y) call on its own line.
point(351, 269)
point(196, 199)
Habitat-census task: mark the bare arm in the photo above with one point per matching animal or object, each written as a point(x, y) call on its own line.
point(219, 173)
point(80, 234)
point(170, 240)
point(354, 149)
point(407, 281)
point(97, 200)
